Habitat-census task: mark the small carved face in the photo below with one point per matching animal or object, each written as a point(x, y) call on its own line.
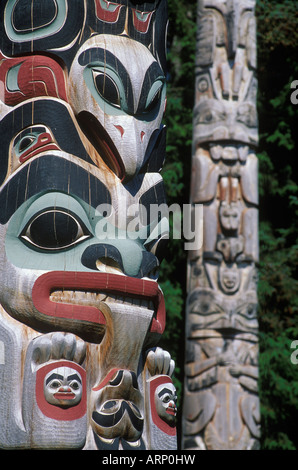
point(165, 399)
point(63, 387)
point(229, 279)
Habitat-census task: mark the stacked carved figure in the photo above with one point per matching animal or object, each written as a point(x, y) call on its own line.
point(221, 405)
point(82, 144)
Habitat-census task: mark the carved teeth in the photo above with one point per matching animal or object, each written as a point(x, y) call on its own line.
point(93, 299)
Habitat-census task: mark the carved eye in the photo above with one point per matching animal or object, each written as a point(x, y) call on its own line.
point(25, 142)
point(154, 95)
point(55, 384)
point(106, 87)
point(74, 385)
point(248, 310)
point(166, 398)
point(54, 229)
point(154, 101)
point(209, 117)
point(246, 114)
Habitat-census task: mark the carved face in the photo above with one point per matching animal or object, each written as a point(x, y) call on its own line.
point(165, 399)
point(63, 387)
point(214, 310)
point(119, 98)
point(221, 121)
point(53, 235)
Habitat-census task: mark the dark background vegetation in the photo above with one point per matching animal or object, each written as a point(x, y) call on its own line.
point(277, 42)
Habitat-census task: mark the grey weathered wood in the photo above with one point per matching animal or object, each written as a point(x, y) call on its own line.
point(221, 405)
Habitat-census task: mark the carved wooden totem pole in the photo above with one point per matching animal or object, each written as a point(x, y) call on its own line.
point(82, 143)
point(221, 406)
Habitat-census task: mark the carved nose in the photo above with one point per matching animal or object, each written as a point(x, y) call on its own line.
point(102, 256)
point(107, 258)
point(64, 388)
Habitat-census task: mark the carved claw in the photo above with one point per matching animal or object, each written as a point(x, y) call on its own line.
point(58, 345)
point(160, 362)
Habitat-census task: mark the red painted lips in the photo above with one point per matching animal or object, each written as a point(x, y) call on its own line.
point(64, 396)
point(95, 282)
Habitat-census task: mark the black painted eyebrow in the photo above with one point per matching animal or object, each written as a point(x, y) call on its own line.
point(64, 176)
point(164, 390)
point(74, 377)
point(54, 376)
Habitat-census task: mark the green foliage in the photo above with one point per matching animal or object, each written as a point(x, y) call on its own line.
point(278, 286)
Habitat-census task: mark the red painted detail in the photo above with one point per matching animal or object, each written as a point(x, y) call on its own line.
point(160, 423)
point(106, 380)
point(99, 282)
point(56, 412)
point(141, 20)
point(64, 396)
point(120, 129)
point(171, 411)
point(43, 144)
point(107, 11)
point(37, 76)
point(142, 135)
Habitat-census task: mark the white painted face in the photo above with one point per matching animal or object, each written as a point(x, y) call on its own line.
point(63, 387)
point(165, 402)
point(117, 90)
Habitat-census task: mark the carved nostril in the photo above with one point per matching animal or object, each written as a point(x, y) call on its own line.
point(103, 257)
point(149, 267)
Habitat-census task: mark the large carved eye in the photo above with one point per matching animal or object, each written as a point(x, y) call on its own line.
point(106, 87)
point(54, 229)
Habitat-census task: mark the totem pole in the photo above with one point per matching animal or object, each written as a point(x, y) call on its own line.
point(221, 406)
point(82, 143)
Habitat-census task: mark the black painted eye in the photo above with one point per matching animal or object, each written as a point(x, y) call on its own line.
point(54, 229)
point(55, 384)
point(26, 142)
point(106, 87)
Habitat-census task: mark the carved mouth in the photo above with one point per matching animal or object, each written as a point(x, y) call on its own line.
point(76, 296)
point(171, 411)
point(64, 396)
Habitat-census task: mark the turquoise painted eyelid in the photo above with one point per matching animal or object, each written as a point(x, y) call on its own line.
point(23, 215)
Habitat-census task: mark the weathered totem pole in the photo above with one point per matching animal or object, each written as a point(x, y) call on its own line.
point(82, 143)
point(221, 406)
